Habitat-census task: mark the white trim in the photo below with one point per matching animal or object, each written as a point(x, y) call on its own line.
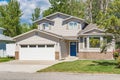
point(93, 29)
point(43, 19)
point(43, 27)
point(74, 18)
point(42, 31)
point(75, 27)
point(88, 43)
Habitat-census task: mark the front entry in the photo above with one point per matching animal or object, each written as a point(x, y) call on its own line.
point(73, 46)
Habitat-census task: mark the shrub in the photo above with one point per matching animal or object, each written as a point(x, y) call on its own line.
point(118, 62)
point(116, 53)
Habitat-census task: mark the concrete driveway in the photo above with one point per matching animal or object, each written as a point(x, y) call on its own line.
point(57, 76)
point(25, 66)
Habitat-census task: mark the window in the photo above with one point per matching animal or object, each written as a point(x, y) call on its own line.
point(24, 46)
point(72, 25)
point(81, 39)
point(50, 45)
point(46, 26)
point(41, 46)
point(107, 39)
point(85, 42)
point(32, 46)
point(94, 42)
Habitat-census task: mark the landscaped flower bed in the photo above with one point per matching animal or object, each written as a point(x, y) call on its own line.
point(116, 55)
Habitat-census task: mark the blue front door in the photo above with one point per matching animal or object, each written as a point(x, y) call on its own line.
point(73, 46)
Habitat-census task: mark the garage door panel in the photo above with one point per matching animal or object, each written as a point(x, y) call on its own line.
point(37, 53)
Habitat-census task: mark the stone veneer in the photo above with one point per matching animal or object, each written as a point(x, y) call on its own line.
point(95, 55)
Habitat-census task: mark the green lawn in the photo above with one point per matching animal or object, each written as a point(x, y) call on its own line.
point(85, 66)
point(5, 59)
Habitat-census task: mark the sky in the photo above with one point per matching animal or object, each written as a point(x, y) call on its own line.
point(28, 6)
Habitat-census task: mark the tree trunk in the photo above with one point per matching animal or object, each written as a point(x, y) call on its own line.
point(101, 5)
point(90, 10)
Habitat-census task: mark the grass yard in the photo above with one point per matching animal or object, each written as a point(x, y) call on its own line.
point(5, 59)
point(85, 66)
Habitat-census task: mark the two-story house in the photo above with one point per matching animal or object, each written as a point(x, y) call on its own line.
point(60, 36)
point(3, 41)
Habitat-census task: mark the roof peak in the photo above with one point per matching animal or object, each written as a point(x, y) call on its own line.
point(58, 13)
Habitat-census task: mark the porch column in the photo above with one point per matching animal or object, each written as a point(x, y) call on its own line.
point(57, 51)
point(113, 44)
point(17, 52)
point(88, 45)
point(101, 40)
point(79, 45)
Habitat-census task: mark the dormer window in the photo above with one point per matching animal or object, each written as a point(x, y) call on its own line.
point(46, 26)
point(72, 25)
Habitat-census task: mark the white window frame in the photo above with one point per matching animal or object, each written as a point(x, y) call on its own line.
point(72, 27)
point(94, 37)
point(44, 27)
point(88, 42)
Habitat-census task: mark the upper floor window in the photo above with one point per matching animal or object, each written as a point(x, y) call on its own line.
point(46, 26)
point(72, 25)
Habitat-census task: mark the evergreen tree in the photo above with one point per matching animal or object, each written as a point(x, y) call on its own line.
point(10, 18)
point(24, 28)
point(35, 16)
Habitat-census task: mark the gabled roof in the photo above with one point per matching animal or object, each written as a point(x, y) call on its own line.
point(5, 38)
point(92, 27)
point(58, 13)
point(73, 17)
point(42, 31)
point(44, 19)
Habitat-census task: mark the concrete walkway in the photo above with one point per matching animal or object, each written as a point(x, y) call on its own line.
point(57, 76)
point(25, 66)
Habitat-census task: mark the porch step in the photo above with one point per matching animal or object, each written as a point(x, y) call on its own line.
point(71, 58)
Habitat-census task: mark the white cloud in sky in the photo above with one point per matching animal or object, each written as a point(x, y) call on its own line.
point(3, 2)
point(28, 6)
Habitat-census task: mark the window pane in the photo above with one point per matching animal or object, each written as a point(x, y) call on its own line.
point(24, 46)
point(32, 46)
point(72, 25)
point(46, 26)
point(94, 42)
point(75, 24)
point(41, 45)
point(50, 45)
point(85, 41)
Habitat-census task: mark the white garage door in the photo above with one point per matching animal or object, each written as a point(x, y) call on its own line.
point(37, 52)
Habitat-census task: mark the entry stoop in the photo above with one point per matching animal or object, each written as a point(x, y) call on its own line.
point(71, 58)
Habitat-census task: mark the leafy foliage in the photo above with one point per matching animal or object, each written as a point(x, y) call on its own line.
point(10, 18)
point(35, 16)
point(71, 7)
point(24, 28)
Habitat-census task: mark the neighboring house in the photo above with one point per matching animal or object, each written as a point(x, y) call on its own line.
point(60, 36)
point(3, 43)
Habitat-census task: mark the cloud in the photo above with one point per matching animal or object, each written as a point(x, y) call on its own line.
point(3, 2)
point(28, 6)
